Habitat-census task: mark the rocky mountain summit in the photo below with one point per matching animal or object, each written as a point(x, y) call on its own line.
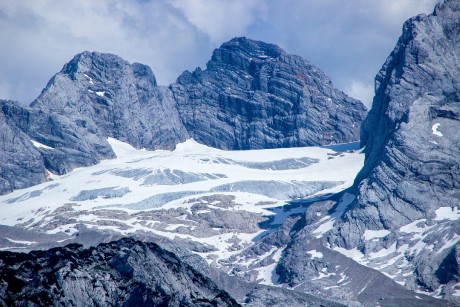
point(112, 98)
point(95, 96)
point(252, 95)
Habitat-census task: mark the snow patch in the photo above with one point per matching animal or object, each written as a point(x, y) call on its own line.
point(89, 79)
point(447, 213)
point(40, 145)
point(327, 222)
point(435, 130)
point(354, 253)
point(21, 242)
point(121, 149)
point(315, 254)
point(191, 145)
point(268, 274)
point(384, 252)
point(456, 288)
point(448, 243)
point(100, 94)
point(324, 227)
point(413, 227)
point(323, 274)
point(375, 234)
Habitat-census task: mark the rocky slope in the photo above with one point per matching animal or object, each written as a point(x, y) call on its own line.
point(63, 144)
point(213, 202)
point(254, 95)
point(301, 259)
point(408, 192)
point(242, 223)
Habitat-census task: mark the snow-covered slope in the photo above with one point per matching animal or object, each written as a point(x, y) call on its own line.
point(239, 210)
point(236, 209)
point(218, 202)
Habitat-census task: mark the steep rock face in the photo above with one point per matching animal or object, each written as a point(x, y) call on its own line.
point(254, 95)
point(305, 262)
point(96, 96)
point(412, 167)
point(308, 266)
point(122, 100)
point(63, 143)
point(124, 272)
point(21, 165)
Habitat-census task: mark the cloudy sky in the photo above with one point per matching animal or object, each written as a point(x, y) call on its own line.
point(348, 39)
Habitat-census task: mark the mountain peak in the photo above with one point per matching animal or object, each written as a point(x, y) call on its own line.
point(246, 54)
point(300, 105)
point(252, 95)
point(99, 63)
point(253, 47)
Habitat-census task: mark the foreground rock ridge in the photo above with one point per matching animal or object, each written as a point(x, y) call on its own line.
point(252, 95)
point(128, 272)
point(409, 187)
point(122, 273)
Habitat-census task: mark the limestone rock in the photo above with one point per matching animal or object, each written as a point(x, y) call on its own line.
point(412, 167)
point(255, 95)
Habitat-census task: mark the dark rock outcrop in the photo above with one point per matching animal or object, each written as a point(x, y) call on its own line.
point(125, 272)
point(254, 95)
point(130, 273)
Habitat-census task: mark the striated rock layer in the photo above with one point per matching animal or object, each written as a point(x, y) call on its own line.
point(412, 168)
point(254, 95)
